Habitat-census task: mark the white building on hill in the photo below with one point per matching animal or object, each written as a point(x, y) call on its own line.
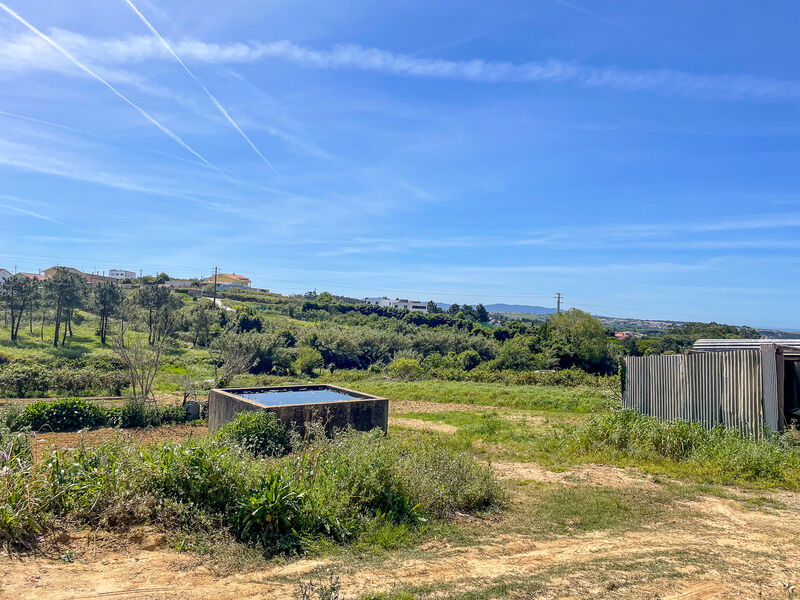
point(121, 274)
point(405, 303)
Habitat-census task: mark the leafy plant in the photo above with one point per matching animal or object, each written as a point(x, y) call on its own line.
point(406, 369)
point(258, 432)
point(68, 414)
point(273, 515)
point(308, 359)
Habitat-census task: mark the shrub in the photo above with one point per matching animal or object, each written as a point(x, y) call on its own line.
point(258, 432)
point(68, 414)
point(272, 516)
point(405, 368)
point(199, 472)
point(139, 413)
point(469, 359)
point(308, 359)
point(18, 380)
point(336, 489)
point(516, 354)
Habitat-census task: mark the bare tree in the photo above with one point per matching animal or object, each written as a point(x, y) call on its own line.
point(235, 353)
point(143, 359)
point(190, 386)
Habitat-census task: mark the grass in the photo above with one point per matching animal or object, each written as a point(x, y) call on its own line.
point(355, 488)
point(524, 397)
point(624, 439)
point(83, 342)
point(557, 510)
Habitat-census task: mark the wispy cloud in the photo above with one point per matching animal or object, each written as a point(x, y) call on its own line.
point(211, 96)
point(55, 45)
point(24, 52)
point(5, 205)
point(601, 19)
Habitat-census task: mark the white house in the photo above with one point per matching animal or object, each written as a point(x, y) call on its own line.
point(404, 303)
point(121, 274)
point(4, 274)
point(384, 301)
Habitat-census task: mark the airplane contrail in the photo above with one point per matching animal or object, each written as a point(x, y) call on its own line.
point(86, 69)
point(200, 83)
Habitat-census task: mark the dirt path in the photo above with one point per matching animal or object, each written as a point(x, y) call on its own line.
point(727, 551)
point(726, 548)
point(399, 407)
point(422, 425)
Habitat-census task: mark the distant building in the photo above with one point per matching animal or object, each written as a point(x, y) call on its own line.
point(4, 274)
point(89, 277)
point(36, 276)
point(227, 280)
point(121, 274)
point(404, 303)
point(384, 301)
point(48, 273)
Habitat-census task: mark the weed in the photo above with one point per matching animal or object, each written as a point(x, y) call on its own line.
point(258, 432)
point(321, 590)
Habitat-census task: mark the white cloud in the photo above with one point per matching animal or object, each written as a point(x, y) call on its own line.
point(25, 52)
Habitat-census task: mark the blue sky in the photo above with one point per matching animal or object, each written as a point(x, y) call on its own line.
point(639, 158)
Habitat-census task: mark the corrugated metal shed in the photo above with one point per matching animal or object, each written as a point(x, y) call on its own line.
point(790, 347)
point(712, 388)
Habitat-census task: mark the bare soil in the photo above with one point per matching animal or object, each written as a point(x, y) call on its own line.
point(727, 551)
point(728, 548)
point(43, 442)
point(399, 407)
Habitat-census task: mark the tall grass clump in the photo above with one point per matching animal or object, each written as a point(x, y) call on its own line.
point(20, 498)
point(719, 455)
point(336, 490)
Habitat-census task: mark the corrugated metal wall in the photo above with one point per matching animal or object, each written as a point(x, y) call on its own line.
point(712, 388)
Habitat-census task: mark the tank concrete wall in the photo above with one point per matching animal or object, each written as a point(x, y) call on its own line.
point(363, 412)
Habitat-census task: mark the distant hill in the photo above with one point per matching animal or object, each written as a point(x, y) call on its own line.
point(511, 308)
point(520, 308)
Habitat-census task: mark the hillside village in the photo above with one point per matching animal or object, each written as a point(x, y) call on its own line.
point(129, 279)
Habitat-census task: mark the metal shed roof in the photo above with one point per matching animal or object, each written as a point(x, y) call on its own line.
point(790, 347)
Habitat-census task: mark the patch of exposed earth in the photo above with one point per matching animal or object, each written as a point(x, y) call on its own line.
point(94, 437)
point(399, 407)
point(724, 551)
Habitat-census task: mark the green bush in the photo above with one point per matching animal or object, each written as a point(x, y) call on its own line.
point(67, 414)
point(469, 359)
point(272, 516)
point(71, 414)
point(138, 413)
point(406, 369)
point(337, 489)
point(19, 380)
point(258, 432)
point(308, 359)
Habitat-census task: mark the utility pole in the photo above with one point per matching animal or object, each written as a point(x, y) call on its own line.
point(558, 303)
point(214, 305)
